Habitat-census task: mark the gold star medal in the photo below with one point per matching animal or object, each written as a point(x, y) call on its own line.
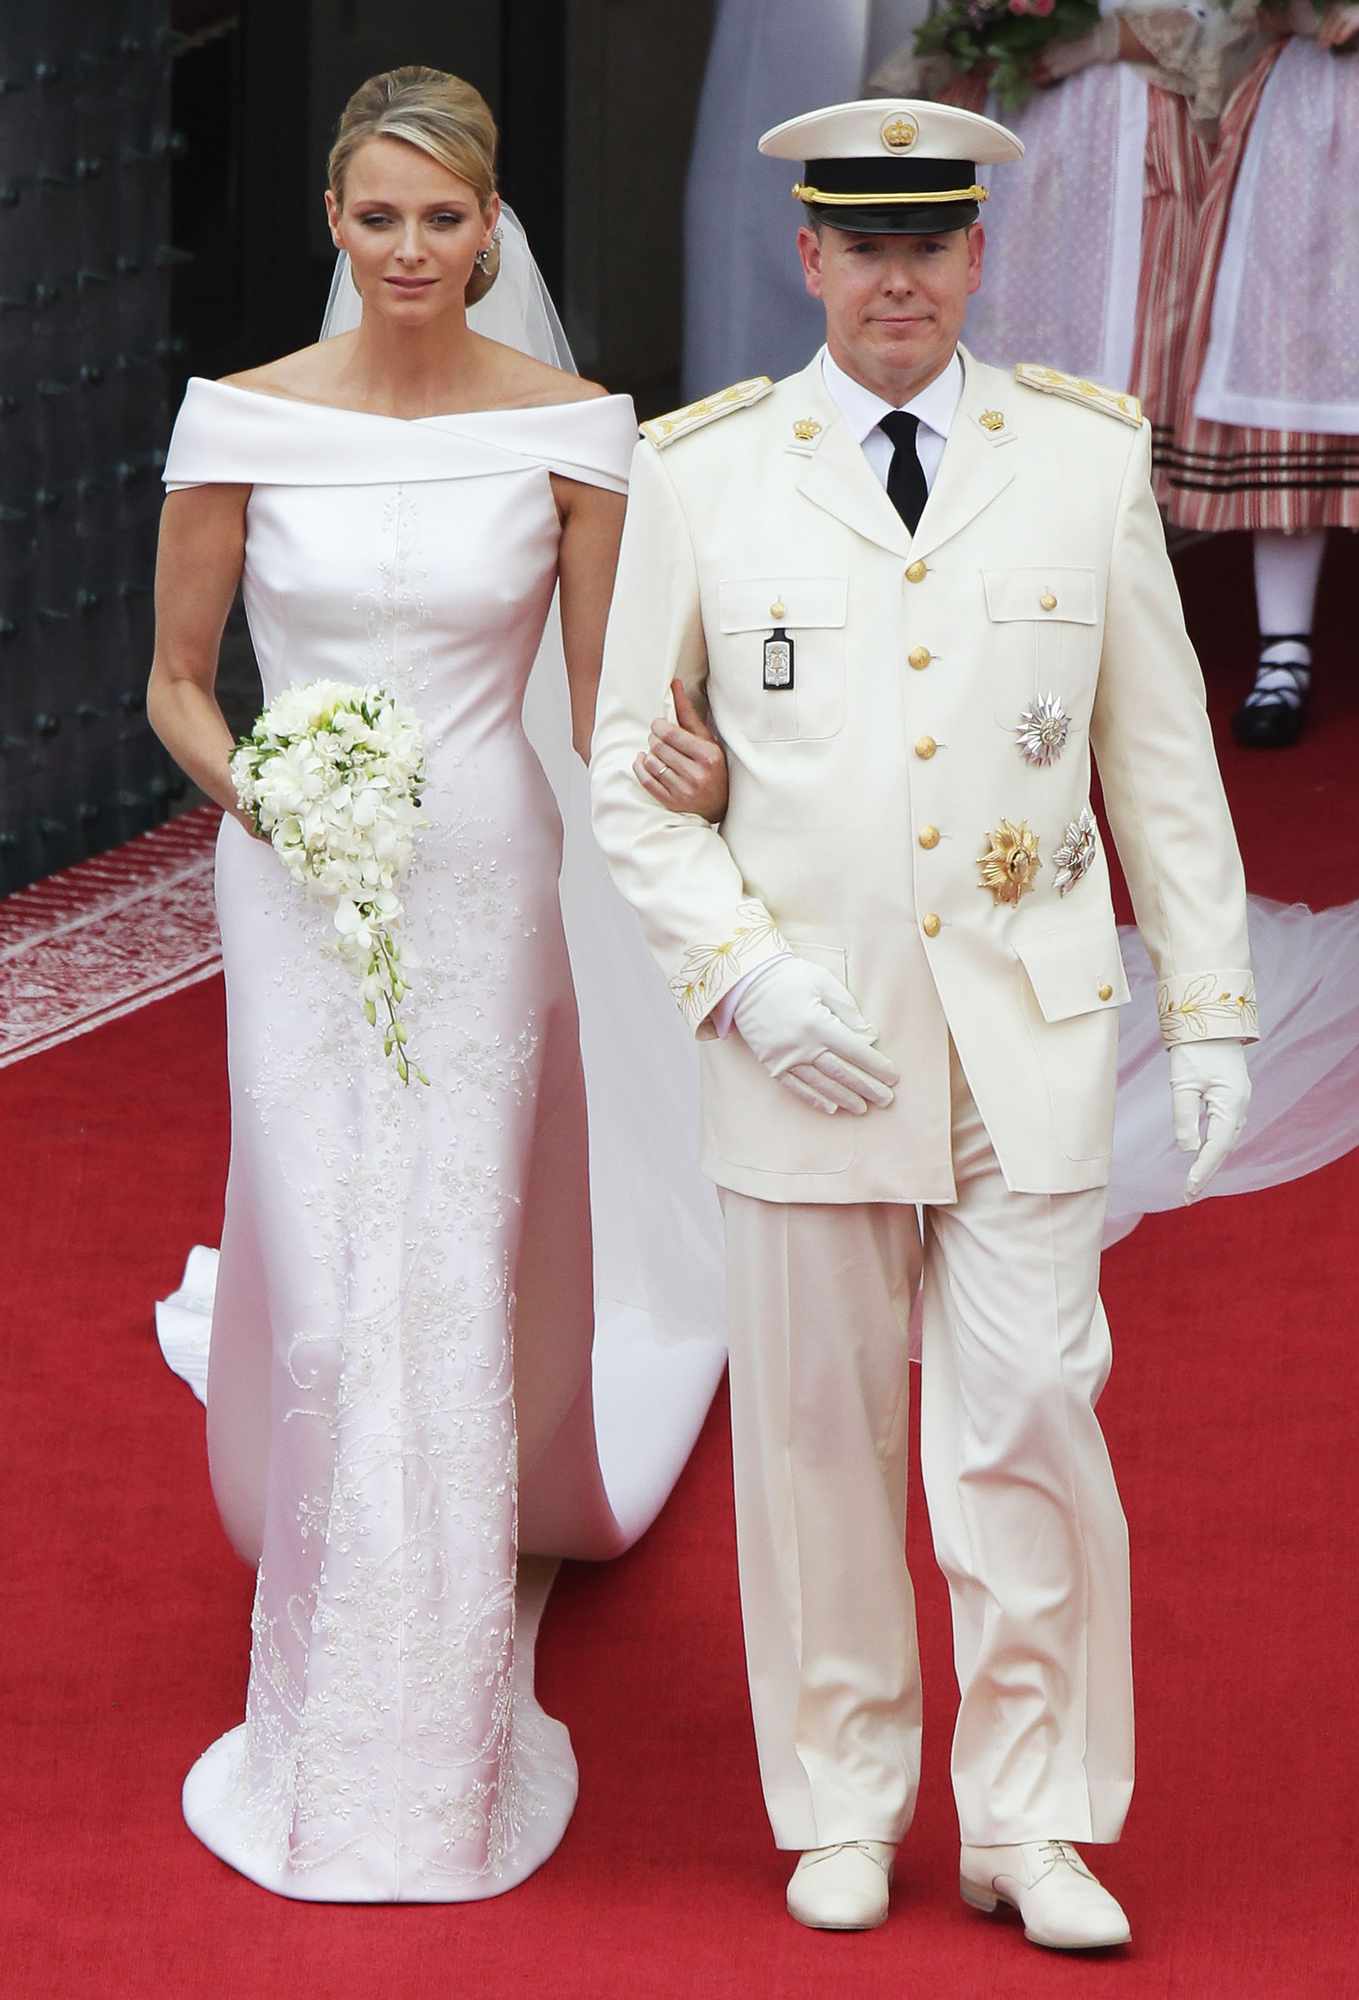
point(1010, 863)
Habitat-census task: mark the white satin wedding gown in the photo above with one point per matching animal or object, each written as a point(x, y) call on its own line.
point(400, 1395)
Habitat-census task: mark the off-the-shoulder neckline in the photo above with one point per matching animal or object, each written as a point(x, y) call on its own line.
point(377, 416)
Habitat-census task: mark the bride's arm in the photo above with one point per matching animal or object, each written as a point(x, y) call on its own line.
point(198, 566)
point(592, 526)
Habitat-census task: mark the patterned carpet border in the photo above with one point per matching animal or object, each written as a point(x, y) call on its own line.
point(102, 939)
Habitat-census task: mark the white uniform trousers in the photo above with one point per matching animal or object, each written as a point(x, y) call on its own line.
point(1024, 1512)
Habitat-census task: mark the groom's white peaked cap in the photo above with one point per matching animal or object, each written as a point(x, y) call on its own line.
point(892, 165)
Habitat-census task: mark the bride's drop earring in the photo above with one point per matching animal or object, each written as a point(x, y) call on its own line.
point(482, 259)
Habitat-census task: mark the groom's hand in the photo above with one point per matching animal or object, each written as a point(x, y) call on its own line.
point(806, 1028)
point(1211, 1078)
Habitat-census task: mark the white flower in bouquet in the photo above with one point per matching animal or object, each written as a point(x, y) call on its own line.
point(332, 776)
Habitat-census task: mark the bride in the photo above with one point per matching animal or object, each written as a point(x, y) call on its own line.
point(400, 503)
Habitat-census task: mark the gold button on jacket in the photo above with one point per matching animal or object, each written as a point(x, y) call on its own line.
point(928, 836)
point(918, 657)
point(930, 924)
point(916, 573)
point(1048, 601)
point(926, 747)
point(1106, 992)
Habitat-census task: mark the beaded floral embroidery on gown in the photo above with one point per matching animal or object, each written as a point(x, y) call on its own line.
point(370, 1436)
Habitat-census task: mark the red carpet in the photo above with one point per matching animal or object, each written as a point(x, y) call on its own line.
point(1230, 1417)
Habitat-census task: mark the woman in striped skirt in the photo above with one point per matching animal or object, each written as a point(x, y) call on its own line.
point(1117, 155)
point(1267, 437)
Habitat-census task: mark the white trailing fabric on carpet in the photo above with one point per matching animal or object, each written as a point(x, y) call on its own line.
point(635, 1376)
point(1305, 1069)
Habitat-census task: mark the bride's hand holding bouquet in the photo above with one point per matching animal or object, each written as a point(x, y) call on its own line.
point(332, 775)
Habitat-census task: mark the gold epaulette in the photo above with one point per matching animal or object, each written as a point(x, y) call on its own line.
point(1113, 402)
point(661, 431)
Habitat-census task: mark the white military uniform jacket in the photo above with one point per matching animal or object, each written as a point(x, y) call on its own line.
point(863, 797)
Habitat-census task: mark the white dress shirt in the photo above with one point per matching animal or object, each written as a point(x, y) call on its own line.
point(863, 411)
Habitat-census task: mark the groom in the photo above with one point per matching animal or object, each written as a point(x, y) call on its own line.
point(917, 592)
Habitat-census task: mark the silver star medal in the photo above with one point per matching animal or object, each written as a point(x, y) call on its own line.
point(1072, 859)
point(1043, 730)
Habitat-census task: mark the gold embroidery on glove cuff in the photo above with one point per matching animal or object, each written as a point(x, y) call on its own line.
point(1203, 1008)
point(709, 969)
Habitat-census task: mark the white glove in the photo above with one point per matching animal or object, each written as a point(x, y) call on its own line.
point(806, 1028)
point(1211, 1077)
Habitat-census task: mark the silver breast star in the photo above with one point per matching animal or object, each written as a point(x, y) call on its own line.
point(1043, 730)
point(1072, 859)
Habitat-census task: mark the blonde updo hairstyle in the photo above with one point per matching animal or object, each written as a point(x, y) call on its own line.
point(439, 114)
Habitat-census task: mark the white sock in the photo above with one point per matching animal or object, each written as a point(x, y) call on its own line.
point(1287, 568)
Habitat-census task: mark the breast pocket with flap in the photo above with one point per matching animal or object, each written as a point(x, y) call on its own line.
point(811, 611)
point(1045, 637)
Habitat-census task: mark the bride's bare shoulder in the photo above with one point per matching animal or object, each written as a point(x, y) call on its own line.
point(305, 376)
point(523, 382)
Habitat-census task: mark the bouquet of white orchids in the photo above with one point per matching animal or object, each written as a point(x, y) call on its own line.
point(332, 775)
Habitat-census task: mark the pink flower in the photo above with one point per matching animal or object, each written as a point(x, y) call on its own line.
point(1019, 6)
point(1042, 6)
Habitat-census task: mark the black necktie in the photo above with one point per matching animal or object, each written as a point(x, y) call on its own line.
point(906, 488)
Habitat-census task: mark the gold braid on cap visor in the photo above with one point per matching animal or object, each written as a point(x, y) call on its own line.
point(879, 200)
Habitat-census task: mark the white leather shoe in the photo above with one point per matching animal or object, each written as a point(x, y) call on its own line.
point(1062, 1904)
point(844, 1887)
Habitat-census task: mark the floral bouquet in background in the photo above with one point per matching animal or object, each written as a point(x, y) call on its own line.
point(332, 776)
point(1003, 38)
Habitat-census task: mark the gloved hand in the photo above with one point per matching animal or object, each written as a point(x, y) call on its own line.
point(1211, 1077)
point(806, 1028)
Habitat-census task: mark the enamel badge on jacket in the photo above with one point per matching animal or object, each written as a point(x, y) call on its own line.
point(909, 723)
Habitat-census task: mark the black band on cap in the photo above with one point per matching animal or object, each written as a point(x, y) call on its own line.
point(891, 197)
point(889, 176)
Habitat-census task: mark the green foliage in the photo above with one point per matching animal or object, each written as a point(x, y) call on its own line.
point(1004, 38)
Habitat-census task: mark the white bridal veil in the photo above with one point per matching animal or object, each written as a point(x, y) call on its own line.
point(517, 310)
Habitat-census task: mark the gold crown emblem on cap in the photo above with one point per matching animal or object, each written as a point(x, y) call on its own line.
point(900, 132)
